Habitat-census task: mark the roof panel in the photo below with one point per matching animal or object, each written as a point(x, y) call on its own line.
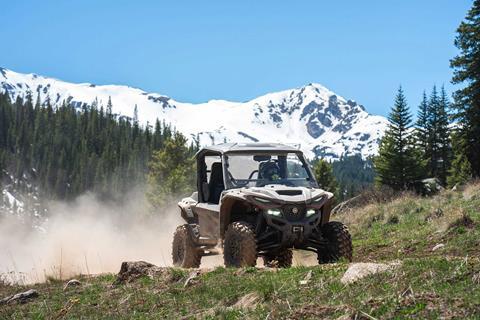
point(248, 147)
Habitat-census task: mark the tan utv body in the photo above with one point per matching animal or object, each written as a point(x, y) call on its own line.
point(257, 200)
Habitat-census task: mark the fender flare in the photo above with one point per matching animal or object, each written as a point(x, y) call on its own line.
point(227, 203)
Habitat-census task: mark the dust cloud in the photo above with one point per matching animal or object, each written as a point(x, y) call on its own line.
point(89, 236)
point(86, 236)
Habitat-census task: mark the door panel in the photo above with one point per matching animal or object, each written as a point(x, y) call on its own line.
point(208, 219)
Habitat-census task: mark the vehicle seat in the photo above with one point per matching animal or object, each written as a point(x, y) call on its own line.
point(215, 185)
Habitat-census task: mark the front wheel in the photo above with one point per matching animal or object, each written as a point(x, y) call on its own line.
point(339, 243)
point(185, 253)
point(240, 246)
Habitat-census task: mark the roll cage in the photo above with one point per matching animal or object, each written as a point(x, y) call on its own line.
point(212, 177)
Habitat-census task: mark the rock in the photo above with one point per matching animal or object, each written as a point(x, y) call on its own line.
point(357, 271)
point(438, 246)
point(132, 270)
point(71, 283)
point(21, 297)
point(428, 187)
point(248, 301)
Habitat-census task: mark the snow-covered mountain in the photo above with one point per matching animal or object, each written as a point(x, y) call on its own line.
point(322, 122)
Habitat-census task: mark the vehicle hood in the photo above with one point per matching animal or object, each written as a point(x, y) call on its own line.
point(280, 193)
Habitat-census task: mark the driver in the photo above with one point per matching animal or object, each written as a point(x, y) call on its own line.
point(269, 171)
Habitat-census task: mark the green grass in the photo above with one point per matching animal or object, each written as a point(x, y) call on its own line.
point(411, 226)
point(428, 288)
point(444, 283)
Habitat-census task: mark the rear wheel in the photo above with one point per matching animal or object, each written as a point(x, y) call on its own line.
point(240, 246)
point(339, 243)
point(282, 260)
point(185, 253)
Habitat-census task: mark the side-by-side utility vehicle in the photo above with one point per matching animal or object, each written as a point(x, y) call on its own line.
point(257, 200)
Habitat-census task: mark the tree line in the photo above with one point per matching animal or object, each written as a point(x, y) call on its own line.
point(66, 151)
point(444, 142)
point(345, 177)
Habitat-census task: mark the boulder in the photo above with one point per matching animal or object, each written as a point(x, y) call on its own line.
point(132, 270)
point(428, 187)
point(357, 271)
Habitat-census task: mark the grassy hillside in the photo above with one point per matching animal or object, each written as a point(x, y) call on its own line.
point(429, 283)
point(411, 226)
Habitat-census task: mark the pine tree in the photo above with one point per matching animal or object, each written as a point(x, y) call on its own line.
point(109, 107)
point(432, 145)
point(467, 99)
point(437, 149)
point(70, 151)
point(443, 137)
point(353, 175)
point(323, 172)
point(135, 115)
point(460, 171)
point(422, 125)
point(171, 171)
point(398, 164)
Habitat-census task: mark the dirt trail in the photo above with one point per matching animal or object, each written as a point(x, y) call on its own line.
point(300, 258)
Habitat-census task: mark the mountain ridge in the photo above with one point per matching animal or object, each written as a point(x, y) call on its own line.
point(323, 122)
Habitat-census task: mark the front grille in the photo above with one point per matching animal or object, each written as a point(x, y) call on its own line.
point(293, 212)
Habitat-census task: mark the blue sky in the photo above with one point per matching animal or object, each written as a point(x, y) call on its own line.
point(195, 51)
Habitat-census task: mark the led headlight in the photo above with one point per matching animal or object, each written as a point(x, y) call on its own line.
point(319, 199)
point(311, 212)
point(274, 212)
point(262, 200)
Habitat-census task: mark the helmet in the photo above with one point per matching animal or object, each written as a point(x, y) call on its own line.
point(269, 170)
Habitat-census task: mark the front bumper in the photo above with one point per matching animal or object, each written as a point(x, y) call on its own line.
point(294, 231)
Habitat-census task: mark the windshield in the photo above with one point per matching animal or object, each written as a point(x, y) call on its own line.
point(258, 170)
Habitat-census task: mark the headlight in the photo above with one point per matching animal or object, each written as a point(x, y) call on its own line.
point(274, 212)
point(262, 200)
point(311, 212)
point(319, 199)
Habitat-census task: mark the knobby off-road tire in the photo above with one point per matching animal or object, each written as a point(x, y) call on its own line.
point(340, 243)
point(283, 260)
point(185, 253)
point(240, 246)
